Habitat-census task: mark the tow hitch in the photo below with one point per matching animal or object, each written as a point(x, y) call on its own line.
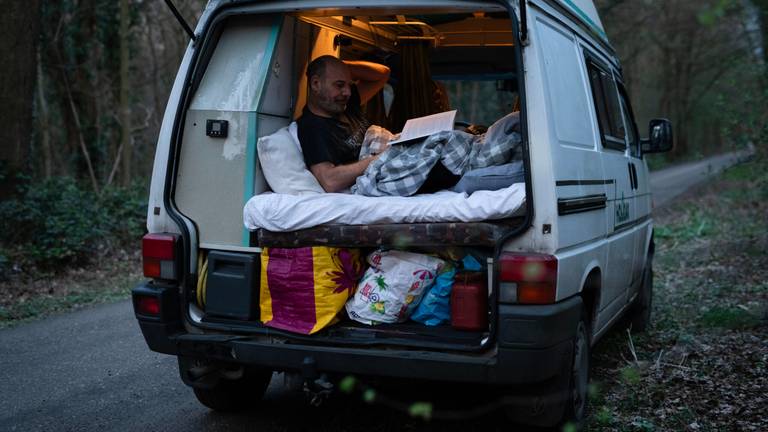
point(318, 390)
point(316, 386)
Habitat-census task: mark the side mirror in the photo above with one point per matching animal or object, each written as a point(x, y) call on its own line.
point(659, 137)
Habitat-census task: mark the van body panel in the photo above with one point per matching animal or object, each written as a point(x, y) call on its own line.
point(213, 201)
point(575, 264)
point(575, 162)
point(158, 219)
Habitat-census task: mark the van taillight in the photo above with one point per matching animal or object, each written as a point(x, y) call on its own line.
point(159, 253)
point(147, 305)
point(527, 278)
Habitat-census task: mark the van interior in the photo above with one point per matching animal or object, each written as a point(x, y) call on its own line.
point(251, 73)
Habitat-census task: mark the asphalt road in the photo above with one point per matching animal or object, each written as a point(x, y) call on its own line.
point(668, 183)
point(91, 370)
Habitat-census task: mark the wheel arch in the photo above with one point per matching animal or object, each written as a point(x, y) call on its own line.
point(591, 286)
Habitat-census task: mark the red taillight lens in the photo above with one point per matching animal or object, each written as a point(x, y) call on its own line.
point(535, 276)
point(147, 305)
point(159, 253)
point(160, 246)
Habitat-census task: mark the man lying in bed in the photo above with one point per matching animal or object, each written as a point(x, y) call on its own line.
point(332, 125)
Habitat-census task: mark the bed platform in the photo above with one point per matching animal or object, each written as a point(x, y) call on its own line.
point(401, 235)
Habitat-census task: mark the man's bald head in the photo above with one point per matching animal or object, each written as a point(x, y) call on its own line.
point(319, 65)
point(329, 86)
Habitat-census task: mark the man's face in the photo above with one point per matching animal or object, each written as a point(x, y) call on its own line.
point(332, 90)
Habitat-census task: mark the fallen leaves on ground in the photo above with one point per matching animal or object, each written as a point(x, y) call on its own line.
point(703, 365)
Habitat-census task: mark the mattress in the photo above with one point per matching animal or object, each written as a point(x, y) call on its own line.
point(284, 213)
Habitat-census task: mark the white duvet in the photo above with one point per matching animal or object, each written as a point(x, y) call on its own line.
point(282, 212)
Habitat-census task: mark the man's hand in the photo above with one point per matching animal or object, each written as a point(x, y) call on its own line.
point(335, 178)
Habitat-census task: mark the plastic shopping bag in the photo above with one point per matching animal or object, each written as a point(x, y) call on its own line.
point(392, 287)
point(302, 290)
point(435, 307)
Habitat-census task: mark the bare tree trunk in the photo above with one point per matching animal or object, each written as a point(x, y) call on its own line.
point(81, 138)
point(45, 121)
point(125, 108)
point(19, 27)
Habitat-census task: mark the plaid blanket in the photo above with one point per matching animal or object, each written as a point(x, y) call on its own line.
point(402, 169)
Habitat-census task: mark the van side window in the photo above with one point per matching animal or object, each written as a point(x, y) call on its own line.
point(609, 115)
point(629, 123)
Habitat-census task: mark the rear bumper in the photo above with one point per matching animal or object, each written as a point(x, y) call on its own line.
point(534, 345)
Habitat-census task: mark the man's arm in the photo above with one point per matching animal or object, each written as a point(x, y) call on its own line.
point(334, 178)
point(371, 77)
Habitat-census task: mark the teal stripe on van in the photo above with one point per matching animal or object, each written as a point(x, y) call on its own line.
point(268, 54)
point(250, 168)
point(586, 19)
point(251, 157)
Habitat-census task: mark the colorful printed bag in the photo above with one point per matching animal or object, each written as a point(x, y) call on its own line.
point(392, 287)
point(302, 290)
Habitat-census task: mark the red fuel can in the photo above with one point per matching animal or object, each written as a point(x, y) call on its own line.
point(469, 302)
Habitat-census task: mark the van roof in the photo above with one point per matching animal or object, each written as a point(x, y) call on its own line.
point(583, 10)
point(586, 12)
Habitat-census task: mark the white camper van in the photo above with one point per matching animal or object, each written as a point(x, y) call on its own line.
point(563, 264)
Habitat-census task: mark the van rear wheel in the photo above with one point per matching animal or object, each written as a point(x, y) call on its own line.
point(235, 395)
point(578, 387)
point(640, 314)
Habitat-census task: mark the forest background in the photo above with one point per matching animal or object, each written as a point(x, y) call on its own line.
point(85, 84)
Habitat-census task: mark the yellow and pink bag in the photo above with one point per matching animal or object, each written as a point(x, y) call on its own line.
point(303, 289)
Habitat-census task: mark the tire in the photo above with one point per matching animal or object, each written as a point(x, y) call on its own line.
point(235, 395)
point(640, 314)
point(578, 386)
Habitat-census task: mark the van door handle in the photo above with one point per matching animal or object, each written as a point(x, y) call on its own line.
point(631, 177)
point(634, 175)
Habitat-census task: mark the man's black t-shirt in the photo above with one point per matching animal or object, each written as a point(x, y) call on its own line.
point(331, 140)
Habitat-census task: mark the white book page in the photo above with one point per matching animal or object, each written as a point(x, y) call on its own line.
point(426, 126)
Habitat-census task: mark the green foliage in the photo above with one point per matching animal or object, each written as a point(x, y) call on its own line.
point(421, 410)
point(604, 417)
point(347, 384)
point(56, 222)
point(698, 223)
point(630, 375)
point(709, 15)
point(369, 395)
point(729, 318)
point(83, 291)
point(658, 161)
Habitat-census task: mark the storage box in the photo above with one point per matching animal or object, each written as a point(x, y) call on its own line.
point(232, 290)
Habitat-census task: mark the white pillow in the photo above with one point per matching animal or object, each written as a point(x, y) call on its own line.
point(283, 163)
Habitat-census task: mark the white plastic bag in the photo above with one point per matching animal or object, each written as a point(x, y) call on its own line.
point(392, 287)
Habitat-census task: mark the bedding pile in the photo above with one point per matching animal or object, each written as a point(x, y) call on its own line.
point(403, 169)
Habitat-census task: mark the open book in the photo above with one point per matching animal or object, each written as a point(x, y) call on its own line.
point(423, 127)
